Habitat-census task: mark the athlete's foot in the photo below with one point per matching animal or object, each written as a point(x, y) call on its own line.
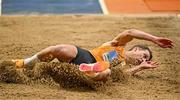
point(19, 63)
point(96, 67)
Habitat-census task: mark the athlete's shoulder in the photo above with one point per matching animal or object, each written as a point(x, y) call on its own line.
point(113, 43)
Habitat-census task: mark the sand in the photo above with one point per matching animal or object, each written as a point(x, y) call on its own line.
point(23, 36)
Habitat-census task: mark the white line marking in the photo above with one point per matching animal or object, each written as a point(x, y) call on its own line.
point(103, 7)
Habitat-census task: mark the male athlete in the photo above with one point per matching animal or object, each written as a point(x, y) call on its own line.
point(95, 63)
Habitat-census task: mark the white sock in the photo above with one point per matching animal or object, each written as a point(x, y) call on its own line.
point(28, 61)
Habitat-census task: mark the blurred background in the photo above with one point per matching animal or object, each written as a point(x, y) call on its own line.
point(25, 7)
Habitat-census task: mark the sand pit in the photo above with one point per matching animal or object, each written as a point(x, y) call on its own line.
point(66, 75)
point(9, 74)
point(23, 36)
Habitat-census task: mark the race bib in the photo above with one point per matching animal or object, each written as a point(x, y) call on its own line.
point(110, 56)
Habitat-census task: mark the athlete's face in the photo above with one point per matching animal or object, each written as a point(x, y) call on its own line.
point(136, 56)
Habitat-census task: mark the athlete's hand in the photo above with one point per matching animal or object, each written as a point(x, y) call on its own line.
point(163, 42)
point(149, 65)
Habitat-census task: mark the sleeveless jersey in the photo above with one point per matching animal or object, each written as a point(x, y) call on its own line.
point(108, 53)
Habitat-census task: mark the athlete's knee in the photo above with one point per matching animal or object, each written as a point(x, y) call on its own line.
point(61, 52)
point(55, 49)
point(47, 50)
point(46, 54)
point(66, 51)
point(59, 48)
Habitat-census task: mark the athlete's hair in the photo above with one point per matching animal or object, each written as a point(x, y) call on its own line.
point(143, 47)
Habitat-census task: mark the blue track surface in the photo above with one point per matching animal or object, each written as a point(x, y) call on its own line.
point(51, 7)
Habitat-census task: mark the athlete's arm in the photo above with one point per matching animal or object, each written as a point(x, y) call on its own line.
point(142, 66)
point(128, 35)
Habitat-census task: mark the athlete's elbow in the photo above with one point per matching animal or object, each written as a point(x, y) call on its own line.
point(130, 31)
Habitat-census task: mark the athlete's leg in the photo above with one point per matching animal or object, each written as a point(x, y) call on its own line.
point(63, 53)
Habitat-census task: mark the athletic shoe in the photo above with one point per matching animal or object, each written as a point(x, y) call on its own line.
point(96, 67)
point(19, 63)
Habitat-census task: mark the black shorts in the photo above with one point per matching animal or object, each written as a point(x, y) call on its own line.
point(83, 56)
